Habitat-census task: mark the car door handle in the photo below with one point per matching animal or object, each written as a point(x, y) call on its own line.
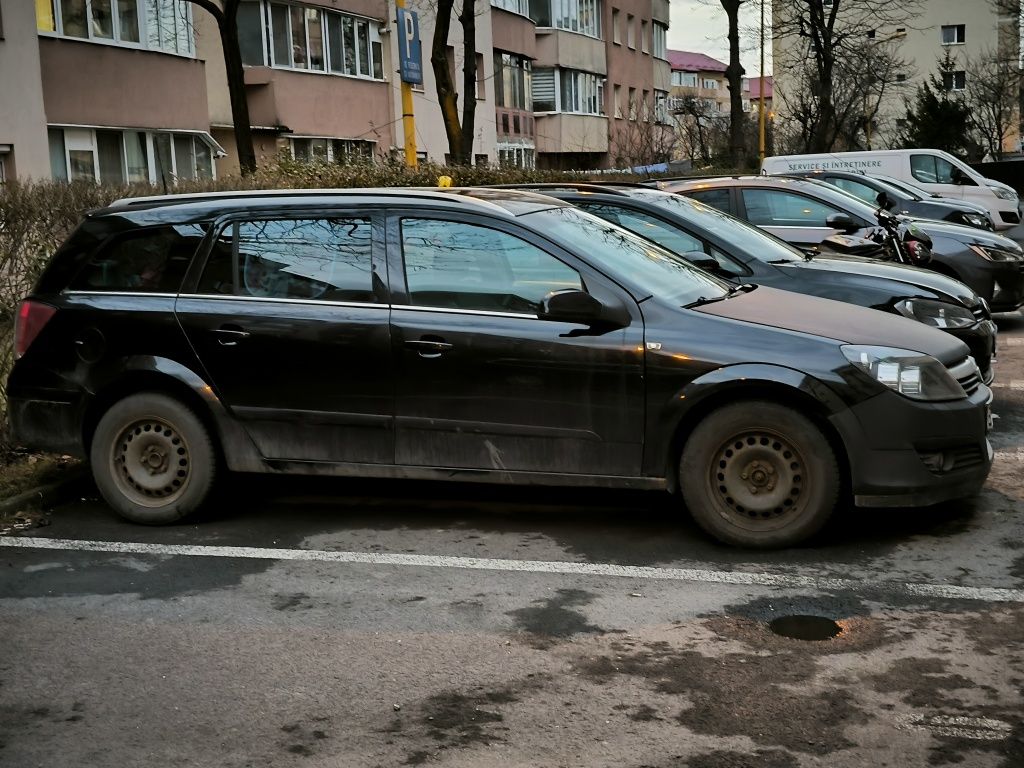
point(428, 347)
point(230, 335)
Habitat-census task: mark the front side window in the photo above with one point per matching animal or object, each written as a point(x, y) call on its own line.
point(647, 226)
point(772, 207)
point(324, 259)
point(716, 198)
point(465, 266)
point(931, 169)
point(145, 261)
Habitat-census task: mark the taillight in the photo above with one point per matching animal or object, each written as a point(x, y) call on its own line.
point(32, 318)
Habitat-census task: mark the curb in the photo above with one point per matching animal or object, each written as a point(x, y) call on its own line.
point(49, 494)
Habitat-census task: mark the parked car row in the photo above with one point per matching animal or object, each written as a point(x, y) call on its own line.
point(602, 336)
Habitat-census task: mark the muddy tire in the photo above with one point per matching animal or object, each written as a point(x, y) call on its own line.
point(153, 459)
point(759, 475)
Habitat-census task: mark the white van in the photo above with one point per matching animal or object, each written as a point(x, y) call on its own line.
point(936, 171)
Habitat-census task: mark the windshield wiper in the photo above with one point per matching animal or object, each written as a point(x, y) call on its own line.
point(703, 300)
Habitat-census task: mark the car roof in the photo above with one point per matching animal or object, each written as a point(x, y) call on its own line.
point(205, 205)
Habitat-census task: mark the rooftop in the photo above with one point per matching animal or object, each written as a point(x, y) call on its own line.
point(755, 87)
point(691, 61)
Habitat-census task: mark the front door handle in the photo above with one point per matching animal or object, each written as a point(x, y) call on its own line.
point(429, 347)
point(230, 335)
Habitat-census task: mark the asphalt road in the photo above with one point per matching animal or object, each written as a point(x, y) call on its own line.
point(339, 623)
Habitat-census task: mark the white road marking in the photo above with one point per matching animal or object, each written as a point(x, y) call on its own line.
point(742, 578)
point(1014, 342)
point(981, 728)
point(1014, 384)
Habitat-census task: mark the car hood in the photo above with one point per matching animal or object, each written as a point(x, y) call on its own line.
point(912, 277)
point(845, 323)
point(999, 185)
point(965, 234)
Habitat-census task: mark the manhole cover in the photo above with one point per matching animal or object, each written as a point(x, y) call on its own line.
point(805, 627)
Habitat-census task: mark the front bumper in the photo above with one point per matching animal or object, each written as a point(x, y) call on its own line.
point(904, 453)
point(981, 340)
point(1008, 287)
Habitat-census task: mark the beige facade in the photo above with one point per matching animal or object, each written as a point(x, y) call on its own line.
point(23, 151)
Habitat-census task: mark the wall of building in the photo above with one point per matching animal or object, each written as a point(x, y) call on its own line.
point(631, 135)
point(22, 112)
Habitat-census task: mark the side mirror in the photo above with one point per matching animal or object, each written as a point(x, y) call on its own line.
point(570, 306)
point(884, 202)
point(843, 222)
point(956, 175)
point(701, 260)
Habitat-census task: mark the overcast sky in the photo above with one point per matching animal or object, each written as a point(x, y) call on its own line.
point(701, 25)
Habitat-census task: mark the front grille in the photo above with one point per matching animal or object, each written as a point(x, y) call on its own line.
point(1010, 217)
point(966, 372)
point(953, 459)
point(978, 310)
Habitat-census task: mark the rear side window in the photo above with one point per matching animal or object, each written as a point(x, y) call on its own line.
point(327, 259)
point(716, 198)
point(772, 207)
point(150, 260)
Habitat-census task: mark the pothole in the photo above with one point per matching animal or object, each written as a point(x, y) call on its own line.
point(805, 627)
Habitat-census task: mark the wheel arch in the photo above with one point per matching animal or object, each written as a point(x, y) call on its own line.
point(776, 384)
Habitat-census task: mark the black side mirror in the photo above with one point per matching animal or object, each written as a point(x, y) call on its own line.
point(884, 201)
point(843, 222)
point(570, 306)
point(956, 175)
point(701, 260)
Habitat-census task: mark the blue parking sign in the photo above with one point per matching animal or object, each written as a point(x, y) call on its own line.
point(410, 65)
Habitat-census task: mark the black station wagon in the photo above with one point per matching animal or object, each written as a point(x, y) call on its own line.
point(485, 335)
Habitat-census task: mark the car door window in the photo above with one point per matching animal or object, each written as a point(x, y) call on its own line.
point(931, 169)
point(327, 259)
point(773, 207)
point(457, 265)
point(654, 229)
point(858, 190)
point(716, 198)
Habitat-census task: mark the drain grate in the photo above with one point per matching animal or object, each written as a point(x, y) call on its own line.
point(805, 627)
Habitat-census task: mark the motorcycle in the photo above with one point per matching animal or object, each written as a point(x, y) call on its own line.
point(895, 239)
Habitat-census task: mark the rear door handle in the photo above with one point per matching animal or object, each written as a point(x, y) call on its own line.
point(230, 335)
point(428, 347)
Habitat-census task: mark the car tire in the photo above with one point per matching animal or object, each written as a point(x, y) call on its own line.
point(153, 459)
point(759, 475)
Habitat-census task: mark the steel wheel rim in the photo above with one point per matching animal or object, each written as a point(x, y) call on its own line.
point(151, 462)
point(759, 480)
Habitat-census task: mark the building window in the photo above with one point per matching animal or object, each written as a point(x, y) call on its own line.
point(617, 96)
point(645, 106)
point(954, 34)
point(581, 92)
point(631, 31)
point(659, 45)
point(481, 80)
point(631, 105)
point(871, 34)
point(544, 91)
point(517, 156)
point(661, 107)
point(512, 81)
point(583, 16)
point(118, 156)
point(307, 38)
point(616, 23)
point(160, 25)
point(901, 78)
point(684, 79)
point(314, 149)
point(644, 46)
point(522, 7)
point(708, 84)
point(954, 81)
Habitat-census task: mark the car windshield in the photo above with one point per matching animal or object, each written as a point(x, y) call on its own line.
point(746, 238)
point(652, 270)
point(906, 186)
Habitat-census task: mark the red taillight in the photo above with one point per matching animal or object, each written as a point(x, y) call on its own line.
point(32, 318)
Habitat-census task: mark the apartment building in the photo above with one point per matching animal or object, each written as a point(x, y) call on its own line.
point(136, 91)
point(968, 31)
point(109, 90)
point(698, 76)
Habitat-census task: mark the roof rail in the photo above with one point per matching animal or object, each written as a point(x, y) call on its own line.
point(571, 186)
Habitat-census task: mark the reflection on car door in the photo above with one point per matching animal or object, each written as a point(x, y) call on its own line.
point(795, 218)
point(291, 324)
point(482, 382)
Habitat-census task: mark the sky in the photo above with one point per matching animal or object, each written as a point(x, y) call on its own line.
point(701, 25)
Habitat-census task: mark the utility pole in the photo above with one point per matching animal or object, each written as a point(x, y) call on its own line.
point(761, 115)
point(410, 71)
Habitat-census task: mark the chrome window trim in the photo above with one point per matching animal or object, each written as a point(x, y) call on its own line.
point(121, 293)
point(451, 310)
point(273, 300)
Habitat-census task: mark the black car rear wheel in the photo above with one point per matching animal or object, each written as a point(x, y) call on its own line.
point(759, 474)
point(152, 459)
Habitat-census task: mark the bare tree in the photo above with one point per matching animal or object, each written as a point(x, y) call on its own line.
point(829, 35)
point(647, 140)
point(734, 74)
point(992, 91)
point(700, 128)
point(459, 132)
point(225, 13)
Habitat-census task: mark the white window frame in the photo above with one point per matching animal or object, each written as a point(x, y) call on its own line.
point(520, 7)
point(956, 29)
point(363, 58)
point(659, 40)
point(580, 16)
point(953, 77)
point(144, 15)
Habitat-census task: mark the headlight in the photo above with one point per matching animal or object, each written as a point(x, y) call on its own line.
point(1004, 194)
point(938, 314)
point(913, 375)
point(976, 220)
point(996, 254)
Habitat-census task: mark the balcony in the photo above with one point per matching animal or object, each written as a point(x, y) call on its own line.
point(660, 10)
point(564, 132)
point(570, 50)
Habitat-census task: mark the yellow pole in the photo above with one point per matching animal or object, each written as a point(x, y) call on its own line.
point(408, 120)
point(761, 115)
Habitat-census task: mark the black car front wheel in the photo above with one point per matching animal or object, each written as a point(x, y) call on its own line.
point(152, 459)
point(759, 474)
